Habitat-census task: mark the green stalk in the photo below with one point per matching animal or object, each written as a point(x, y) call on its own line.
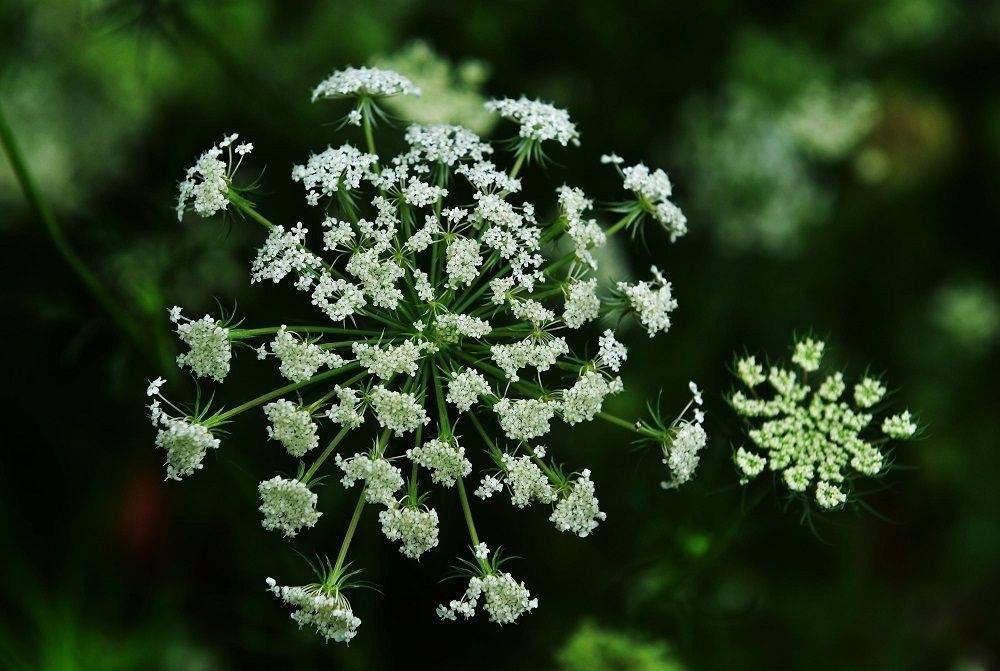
point(349, 534)
point(535, 391)
point(569, 256)
point(89, 280)
point(463, 498)
point(325, 455)
point(369, 136)
point(281, 391)
point(243, 334)
point(516, 168)
point(467, 511)
point(247, 208)
point(353, 524)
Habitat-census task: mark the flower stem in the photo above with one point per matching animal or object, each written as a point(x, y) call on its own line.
point(243, 334)
point(516, 168)
point(467, 511)
point(247, 208)
point(462, 497)
point(94, 285)
point(369, 136)
point(281, 391)
point(569, 256)
point(323, 457)
point(349, 534)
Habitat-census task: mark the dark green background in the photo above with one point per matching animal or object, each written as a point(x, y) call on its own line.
point(103, 566)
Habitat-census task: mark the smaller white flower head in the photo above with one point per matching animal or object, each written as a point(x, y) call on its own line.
point(206, 184)
point(539, 121)
point(578, 510)
point(444, 458)
point(652, 301)
point(899, 426)
point(185, 442)
point(291, 426)
point(300, 359)
point(364, 81)
point(808, 354)
point(524, 419)
point(210, 351)
point(288, 506)
point(466, 388)
point(382, 480)
point(326, 610)
point(416, 529)
point(506, 600)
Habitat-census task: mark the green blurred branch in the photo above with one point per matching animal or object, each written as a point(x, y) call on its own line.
point(97, 290)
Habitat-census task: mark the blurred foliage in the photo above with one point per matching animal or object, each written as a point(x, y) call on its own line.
point(838, 163)
point(449, 94)
point(592, 648)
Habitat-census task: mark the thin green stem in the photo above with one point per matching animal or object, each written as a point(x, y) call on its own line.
point(467, 511)
point(349, 534)
point(331, 446)
point(276, 393)
point(569, 256)
point(443, 413)
point(247, 208)
point(87, 277)
point(482, 431)
point(634, 427)
point(243, 334)
point(518, 162)
point(366, 121)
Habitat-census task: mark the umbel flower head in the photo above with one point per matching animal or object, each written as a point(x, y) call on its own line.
point(435, 297)
point(815, 433)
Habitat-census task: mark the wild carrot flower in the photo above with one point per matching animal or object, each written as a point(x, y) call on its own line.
point(808, 432)
point(439, 295)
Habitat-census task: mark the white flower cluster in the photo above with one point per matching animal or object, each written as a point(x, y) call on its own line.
point(346, 411)
point(186, 444)
point(436, 284)
point(466, 388)
point(524, 480)
point(586, 234)
point(586, 397)
point(652, 301)
point(450, 327)
point(291, 426)
point(398, 411)
point(682, 452)
point(541, 355)
point(415, 528)
point(525, 418)
point(333, 170)
point(300, 359)
point(282, 253)
point(444, 458)
point(381, 479)
point(578, 510)
point(582, 303)
point(205, 187)
point(539, 121)
point(506, 600)
point(387, 361)
point(288, 506)
point(329, 613)
point(611, 352)
point(441, 143)
point(810, 434)
point(185, 439)
point(654, 190)
point(211, 351)
point(364, 81)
